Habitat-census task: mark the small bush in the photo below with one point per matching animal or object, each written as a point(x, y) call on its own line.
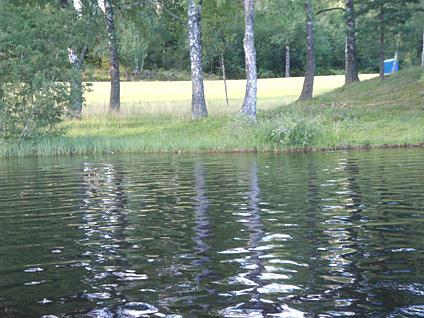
point(291, 133)
point(33, 109)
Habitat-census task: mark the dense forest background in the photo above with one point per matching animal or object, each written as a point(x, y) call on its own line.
point(152, 38)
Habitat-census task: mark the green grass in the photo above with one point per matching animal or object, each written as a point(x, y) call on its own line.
point(366, 114)
point(174, 98)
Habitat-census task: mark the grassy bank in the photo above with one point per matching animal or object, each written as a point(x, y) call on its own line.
point(367, 114)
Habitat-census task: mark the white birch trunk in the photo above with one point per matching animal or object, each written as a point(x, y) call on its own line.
point(198, 103)
point(287, 66)
point(249, 104)
point(422, 53)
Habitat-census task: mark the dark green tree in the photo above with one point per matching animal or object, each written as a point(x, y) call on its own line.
point(34, 69)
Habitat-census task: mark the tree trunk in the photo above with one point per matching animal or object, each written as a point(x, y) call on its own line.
point(396, 54)
point(351, 73)
point(308, 84)
point(249, 104)
point(381, 47)
point(287, 69)
point(422, 53)
point(77, 98)
point(77, 62)
point(115, 89)
point(198, 103)
point(224, 76)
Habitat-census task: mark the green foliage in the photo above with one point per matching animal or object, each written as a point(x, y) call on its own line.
point(402, 18)
point(31, 110)
point(157, 36)
point(222, 23)
point(34, 70)
point(291, 132)
point(132, 46)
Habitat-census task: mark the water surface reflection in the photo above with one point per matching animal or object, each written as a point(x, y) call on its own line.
point(317, 235)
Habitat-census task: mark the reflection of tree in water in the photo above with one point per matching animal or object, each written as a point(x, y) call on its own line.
point(313, 203)
point(202, 232)
point(257, 306)
point(202, 227)
point(355, 205)
point(104, 219)
point(344, 247)
point(255, 227)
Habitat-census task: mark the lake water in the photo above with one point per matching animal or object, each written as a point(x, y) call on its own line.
point(304, 235)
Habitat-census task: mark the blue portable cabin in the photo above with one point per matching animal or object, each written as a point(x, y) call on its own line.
point(391, 66)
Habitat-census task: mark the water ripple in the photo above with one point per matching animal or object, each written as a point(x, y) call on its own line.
point(302, 235)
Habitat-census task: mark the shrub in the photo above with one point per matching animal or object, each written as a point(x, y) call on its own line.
point(32, 109)
point(291, 133)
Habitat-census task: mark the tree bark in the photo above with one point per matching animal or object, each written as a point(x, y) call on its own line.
point(351, 73)
point(77, 98)
point(198, 103)
point(115, 89)
point(287, 68)
point(381, 46)
point(224, 77)
point(249, 104)
point(308, 84)
point(422, 53)
point(76, 59)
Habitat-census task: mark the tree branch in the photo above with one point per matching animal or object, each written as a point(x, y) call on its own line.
point(169, 12)
point(330, 9)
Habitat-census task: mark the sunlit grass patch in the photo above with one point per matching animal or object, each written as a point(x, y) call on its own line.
point(175, 97)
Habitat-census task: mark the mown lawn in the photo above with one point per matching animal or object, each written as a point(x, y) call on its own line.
point(175, 97)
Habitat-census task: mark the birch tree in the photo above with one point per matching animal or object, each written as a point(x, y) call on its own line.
point(78, 51)
point(249, 104)
point(198, 103)
point(422, 53)
point(308, 84)
point(115, 89)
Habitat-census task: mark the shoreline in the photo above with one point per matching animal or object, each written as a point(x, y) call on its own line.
point(292, 150)
point(364, 115)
